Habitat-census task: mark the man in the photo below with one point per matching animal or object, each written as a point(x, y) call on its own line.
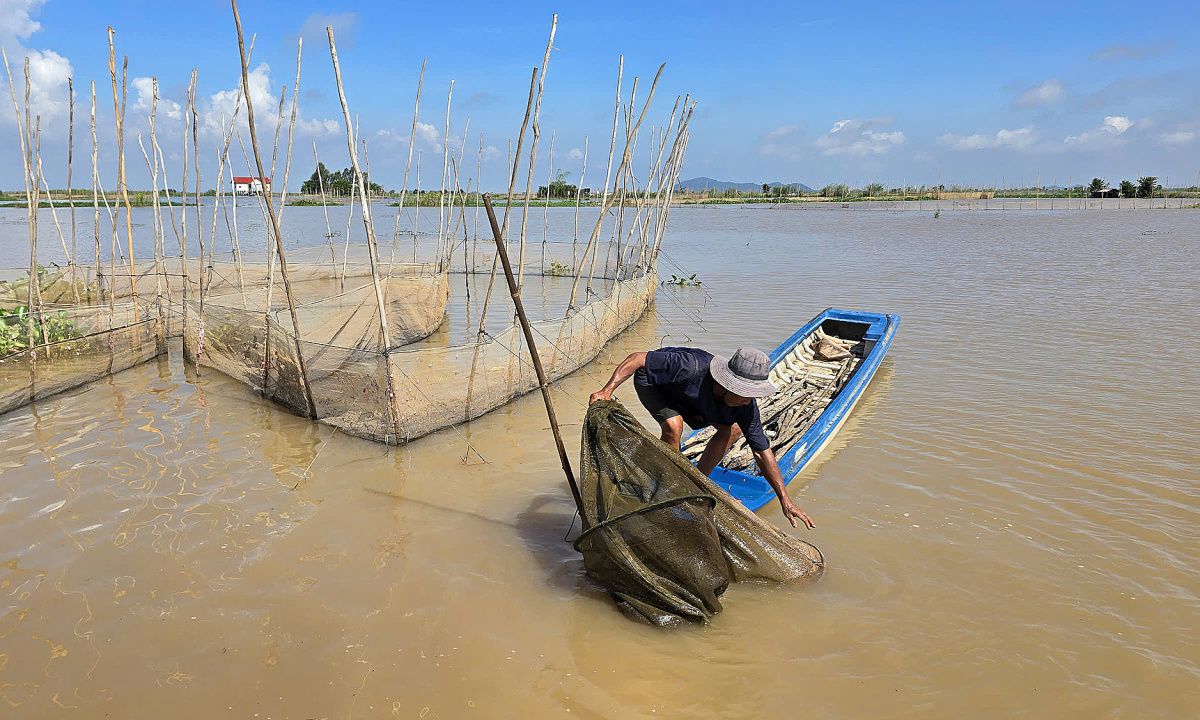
point(679, 384)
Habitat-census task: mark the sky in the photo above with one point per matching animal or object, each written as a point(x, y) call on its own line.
point(975, 94)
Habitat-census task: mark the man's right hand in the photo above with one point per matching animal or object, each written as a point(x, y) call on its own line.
point(599, 395)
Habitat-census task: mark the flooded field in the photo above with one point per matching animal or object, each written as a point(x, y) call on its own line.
point(1010, 517)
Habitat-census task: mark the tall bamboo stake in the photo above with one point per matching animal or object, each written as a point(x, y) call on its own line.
point(183, 237)
point(369, 227)
point(537, 133)
point(512, 182)
point(595, 236)
point(325, 209)
point(287, 283)
point(578, 202)
point(122, 184)
point(445, 172)
point(30, 205)
point(412, 136)
point(515, 290)
point(99, 269)
point(546, 207)
point(70, 195)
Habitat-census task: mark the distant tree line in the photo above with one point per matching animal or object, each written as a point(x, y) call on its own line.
point(336, 183)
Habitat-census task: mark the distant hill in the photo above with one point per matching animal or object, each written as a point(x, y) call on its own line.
point(700, 184)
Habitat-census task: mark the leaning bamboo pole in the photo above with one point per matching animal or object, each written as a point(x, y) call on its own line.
point(287, 283)
point(412, 134)
point(204, 272)
point(325, 209)
point(546, 206)
point(543, 383)
point(369, 228)
point(152, 167)
point(70, 197)
point(183, 236)
point(99, 267)
point(287, 161)
point(578, 202)
point(442, 196)
point(30, 206)
point(595, 236)
point(512, 181)
point(122, 182)
point(533, 145)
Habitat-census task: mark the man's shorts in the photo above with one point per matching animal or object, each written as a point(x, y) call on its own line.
point(653, 399)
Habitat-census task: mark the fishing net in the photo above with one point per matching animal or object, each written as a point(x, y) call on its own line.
point(72, 347)
point(417, 385)
point(662, 538)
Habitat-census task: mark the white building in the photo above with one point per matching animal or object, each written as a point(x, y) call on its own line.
point(251, 185)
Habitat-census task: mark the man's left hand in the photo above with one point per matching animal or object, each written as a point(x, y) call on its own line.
point(792, 512)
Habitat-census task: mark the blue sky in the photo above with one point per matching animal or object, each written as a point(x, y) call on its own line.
point(970, 93)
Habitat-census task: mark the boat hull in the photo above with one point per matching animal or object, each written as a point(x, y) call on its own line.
point(878, 330)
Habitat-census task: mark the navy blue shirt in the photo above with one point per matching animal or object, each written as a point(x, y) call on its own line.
point(681, 374)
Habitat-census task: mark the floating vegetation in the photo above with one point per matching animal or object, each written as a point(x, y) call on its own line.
point(677, 281)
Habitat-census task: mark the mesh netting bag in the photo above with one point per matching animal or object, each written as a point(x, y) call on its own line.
point(662, 538)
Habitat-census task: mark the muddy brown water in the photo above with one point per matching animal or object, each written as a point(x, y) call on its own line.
point(1010, 516)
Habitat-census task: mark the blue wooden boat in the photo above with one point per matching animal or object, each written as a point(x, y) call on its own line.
point(869, 336)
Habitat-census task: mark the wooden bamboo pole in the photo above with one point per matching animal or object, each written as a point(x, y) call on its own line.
point(99, 267)
point(512, 181)
point(442, 240)
point(325, 209)
point(412, 135)
point(578, 202)
point(595, 235)
point(183, 237)
point(533, 145)
point(70, 195)
point(205, 253)
point(369, 228)
point(119, 104)
point(30, 205)
point(287, 284)
point(515, 290)
point(546, 206)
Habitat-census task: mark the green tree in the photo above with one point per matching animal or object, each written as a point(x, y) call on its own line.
point(1148, 186)
point(1097, 185)
point(766, 189)
point(837, 190)
point(559, 187)
point(873, 189)
point(1128, 189)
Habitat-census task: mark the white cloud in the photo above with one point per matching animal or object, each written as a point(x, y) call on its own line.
point(17, 23)
point(48, 70)
point(313, 30)
point(1017, 139)
point(221, 106)
point(859, 138)
point(1178, 137)
point(575, 154)
point(144, 87)
point(1111, 128)
point(784, 141)
point(1041, 94)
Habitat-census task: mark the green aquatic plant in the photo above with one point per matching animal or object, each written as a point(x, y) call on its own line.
point(558, 269)
point(690, 281)
point(48, 328)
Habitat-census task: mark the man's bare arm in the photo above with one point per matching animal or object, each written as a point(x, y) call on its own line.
point(717, 446)
point(770, 470)
point(624, 371)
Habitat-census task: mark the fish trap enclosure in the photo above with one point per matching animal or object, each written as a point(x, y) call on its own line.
point(49, 351)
